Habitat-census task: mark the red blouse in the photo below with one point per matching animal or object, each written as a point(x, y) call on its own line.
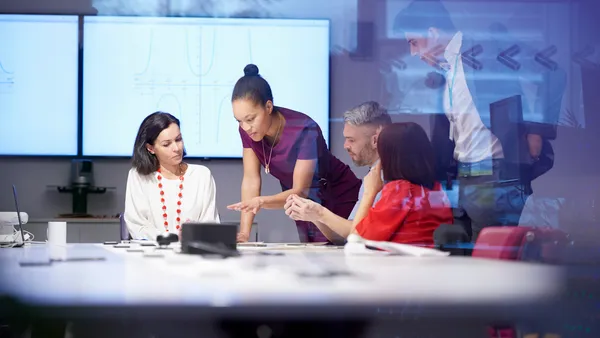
point(406, 213)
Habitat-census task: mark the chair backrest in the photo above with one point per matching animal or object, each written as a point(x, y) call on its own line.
point(452, 238)
point(123, 226)
point(539, 244)
point(519, 243)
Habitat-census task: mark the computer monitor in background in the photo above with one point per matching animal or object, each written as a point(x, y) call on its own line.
point(134, 66)
point(590, 84)
point(38, 84)
point(509, 126)
point(506, 122)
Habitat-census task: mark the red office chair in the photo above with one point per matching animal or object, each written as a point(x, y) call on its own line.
point(544, 245)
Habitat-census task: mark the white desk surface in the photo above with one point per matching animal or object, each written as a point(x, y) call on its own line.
point(132, 279)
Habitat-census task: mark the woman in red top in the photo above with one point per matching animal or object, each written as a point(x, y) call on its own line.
point(412, 203)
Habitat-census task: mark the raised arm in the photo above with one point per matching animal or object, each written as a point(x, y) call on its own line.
point(137, 210)
point(380, 222)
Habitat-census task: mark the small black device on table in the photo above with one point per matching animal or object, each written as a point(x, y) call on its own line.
point(210, 239)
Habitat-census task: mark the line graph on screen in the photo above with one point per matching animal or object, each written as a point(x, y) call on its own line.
point(4, 69)
point(188, 67)
point(194, 79)
point(7, 79)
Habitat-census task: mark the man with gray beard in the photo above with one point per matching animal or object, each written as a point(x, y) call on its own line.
point(362, 125)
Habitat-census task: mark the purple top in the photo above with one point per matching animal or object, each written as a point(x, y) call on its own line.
point(302, 139)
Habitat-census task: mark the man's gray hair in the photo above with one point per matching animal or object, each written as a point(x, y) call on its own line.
point(369, 112)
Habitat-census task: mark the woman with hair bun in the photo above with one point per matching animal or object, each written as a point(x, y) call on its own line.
point(289, 145)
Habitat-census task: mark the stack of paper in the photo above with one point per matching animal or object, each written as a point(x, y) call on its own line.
point(357, 245)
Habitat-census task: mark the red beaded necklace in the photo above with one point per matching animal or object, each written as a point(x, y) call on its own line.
point(164, 206)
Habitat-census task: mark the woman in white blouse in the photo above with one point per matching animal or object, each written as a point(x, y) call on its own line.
point(163, 192)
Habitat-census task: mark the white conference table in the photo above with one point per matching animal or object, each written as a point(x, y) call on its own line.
point(284, 282)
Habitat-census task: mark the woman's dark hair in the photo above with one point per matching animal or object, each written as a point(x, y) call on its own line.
point(406, 154)
point(143, 161)
point(252, 87)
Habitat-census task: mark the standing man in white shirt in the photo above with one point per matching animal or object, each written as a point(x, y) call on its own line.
point(486, 196)
point(362, 125)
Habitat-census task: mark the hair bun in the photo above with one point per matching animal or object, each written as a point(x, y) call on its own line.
point(251, 70)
